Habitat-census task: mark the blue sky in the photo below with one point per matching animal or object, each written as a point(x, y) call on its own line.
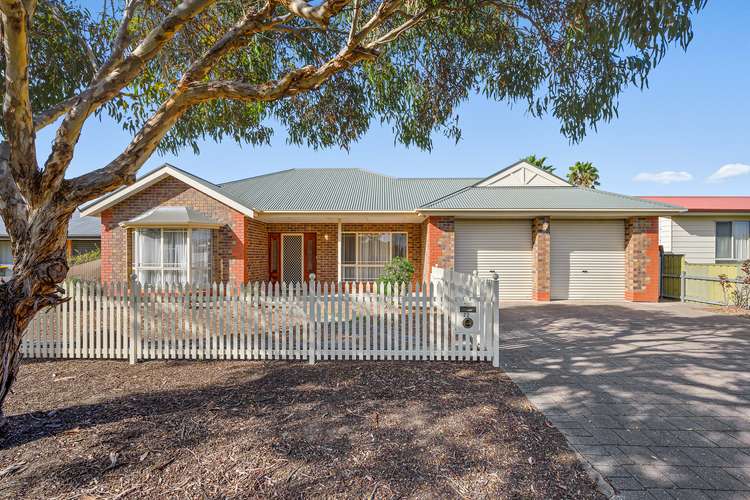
point(693, 120)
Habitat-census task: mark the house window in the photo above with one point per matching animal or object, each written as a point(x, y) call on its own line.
point(6, 260)
point(733, 240)
point(80, 247)
point(364, 255)
point(173, 256)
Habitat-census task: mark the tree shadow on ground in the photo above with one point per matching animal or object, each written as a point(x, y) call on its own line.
point(632, 359)
point(281, 429)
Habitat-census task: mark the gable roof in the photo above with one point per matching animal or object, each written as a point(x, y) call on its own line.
point(354, 190)
point(522, 173)
point(79, 227)
point(706, 203)
point(158, 174)
point(549, 199)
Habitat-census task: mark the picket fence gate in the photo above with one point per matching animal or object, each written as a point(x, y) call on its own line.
point(260, 321)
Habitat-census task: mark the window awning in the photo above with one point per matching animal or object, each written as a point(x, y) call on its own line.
point(173, 217)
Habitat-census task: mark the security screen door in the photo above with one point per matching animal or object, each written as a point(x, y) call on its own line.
point(292, 258)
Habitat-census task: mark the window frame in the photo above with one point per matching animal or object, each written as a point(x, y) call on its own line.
point(733, 257)
point(7, 273)
point(187, 266)
point(358, 265)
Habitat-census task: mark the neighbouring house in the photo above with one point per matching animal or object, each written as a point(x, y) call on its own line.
point(713, 230)
point(83, 237)
point(545, 238)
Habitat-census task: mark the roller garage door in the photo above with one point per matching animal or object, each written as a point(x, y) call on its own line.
point(500, 245)
point(588, 259)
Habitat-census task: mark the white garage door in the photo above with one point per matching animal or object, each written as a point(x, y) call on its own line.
point(588, 259)
point(502, 246)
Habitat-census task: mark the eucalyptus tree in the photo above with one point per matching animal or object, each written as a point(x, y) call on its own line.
point(176, 72)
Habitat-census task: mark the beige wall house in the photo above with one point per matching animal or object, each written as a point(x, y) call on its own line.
point(715, 229)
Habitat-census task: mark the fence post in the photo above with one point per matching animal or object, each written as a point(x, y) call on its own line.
point(683, 286)
point(312, 299)
point(495, 320)
point(135, 323)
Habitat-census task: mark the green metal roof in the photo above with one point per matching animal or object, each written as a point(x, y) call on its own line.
point(356, 190)
point(338, 190)
point(534, 198)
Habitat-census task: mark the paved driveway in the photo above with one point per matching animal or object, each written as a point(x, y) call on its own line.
point(655, 396)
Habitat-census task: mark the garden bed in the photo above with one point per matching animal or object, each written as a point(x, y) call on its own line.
point(279, 429)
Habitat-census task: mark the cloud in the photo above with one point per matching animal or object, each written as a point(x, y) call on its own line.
point(665, 177)
point(729, 170)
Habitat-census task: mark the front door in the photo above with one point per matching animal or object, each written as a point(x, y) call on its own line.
point(292, 258)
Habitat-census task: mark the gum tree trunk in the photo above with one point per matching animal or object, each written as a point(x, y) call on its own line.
point(40, 265)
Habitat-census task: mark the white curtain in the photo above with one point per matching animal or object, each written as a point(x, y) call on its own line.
point(374, 248)
point(200, 256)
point(741, 240)
point(149, 248)
point(723, 240)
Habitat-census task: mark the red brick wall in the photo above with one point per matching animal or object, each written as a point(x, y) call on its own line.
point(256, 244)
point(327, 248)
point(229, 241)
point(439, 243)
point(541, 254)
point(642, 259)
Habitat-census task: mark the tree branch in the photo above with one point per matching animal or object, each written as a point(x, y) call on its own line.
point(319, 14)
point(17, 117)
point(250, 24)
point(118, 76)
point(122, 169)
point(122, 39)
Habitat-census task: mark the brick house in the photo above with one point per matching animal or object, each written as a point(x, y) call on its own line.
point(545, 238)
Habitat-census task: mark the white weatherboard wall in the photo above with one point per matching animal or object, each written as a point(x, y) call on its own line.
point(500, 245)
point(695, 237)
point(665, 233)
point(587, 259)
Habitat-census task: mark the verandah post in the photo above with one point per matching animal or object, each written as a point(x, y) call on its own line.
point(135, 334)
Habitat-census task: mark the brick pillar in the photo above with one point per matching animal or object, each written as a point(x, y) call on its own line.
point(106, 247)
point(439, 244)
point(642, 259)
point(541, 254)
point(238, 270)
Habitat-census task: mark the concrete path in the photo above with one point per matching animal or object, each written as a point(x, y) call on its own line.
point(656, 397)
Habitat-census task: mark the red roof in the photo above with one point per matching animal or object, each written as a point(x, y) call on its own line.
point(706, 203)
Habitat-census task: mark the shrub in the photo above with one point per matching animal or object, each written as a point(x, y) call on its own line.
point(85, 257)
point(399, 270)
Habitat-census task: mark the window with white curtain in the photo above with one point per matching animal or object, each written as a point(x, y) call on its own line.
point(173, 256)
point(364, 255)
point(6, 259)
point(733, 240)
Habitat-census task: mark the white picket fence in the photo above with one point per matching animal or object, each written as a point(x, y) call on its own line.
point(318, 321)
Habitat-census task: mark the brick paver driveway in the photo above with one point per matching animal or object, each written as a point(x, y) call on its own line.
point(656, 397)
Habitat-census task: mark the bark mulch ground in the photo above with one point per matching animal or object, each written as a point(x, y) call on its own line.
point(95, 429)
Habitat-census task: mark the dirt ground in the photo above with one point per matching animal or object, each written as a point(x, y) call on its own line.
point(100, 429)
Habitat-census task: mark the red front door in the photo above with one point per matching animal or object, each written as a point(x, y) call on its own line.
point(275, 257)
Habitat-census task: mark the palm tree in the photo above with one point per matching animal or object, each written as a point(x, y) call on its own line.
point(584, 174)
point(539, 163)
